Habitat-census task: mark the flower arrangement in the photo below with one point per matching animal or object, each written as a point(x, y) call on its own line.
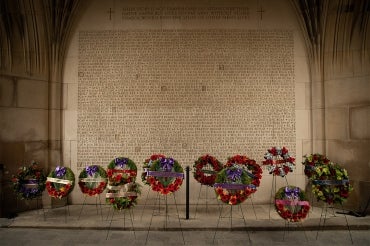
point(121, 171)
point(330, 183)
point(253, 169)
point(29, 182)
point(60, 182)
point(312, 161)
point(147, 164)
point(123, 197)
point(92, 180)
point(291, 203)
point(165, 175)
point(122, 191)
point(278, 161)
point(233, 185)
point(206, 168)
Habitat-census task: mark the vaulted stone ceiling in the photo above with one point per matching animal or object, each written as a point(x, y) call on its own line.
point(34, 33)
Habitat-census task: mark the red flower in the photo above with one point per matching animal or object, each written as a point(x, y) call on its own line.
point(273, 151)
point(224, 198)
point(233, 200)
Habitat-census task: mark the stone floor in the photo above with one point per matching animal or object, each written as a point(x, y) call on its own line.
point(169, 224)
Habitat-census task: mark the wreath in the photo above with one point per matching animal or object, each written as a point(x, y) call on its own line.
point(123, 197)
point(60, 182)
point(92, 180)
point(253, 169)
point(206, 169)
point(29, 182)
point(312, 161)
point(121, 171)
point(165, 175)
point(147, 164)
point(278, 161)
point(291, 203)
point(233, 185)
point(330, 184)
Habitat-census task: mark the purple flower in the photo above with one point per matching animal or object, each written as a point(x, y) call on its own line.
point(121, 162)
point(91, 170)
point(292, 193)
point(167, 164)
point(234, 174)
point(60, 171)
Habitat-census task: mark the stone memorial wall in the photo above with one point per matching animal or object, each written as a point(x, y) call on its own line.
point(184, 93)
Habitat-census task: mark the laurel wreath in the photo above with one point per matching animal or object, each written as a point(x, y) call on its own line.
point(147, 164)
point(60, 182)
point(233, 185)
point(312, 161)
point(330, 183)
point(123, 197)
point(165, 181)
point(121, 171)
point(92, 180)
point(253, 169)
point(29, 182)
point(291, 203)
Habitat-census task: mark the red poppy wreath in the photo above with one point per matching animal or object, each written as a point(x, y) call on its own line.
point(233, 185)
point(147, 164)
point(92, 180)
point(206, 169)
point(253, 169)
point(122, 191)
point(165, 175)
point(60, 182)
point(291, 204)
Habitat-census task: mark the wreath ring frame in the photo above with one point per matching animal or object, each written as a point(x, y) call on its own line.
point(199, 173)
point(29, 182)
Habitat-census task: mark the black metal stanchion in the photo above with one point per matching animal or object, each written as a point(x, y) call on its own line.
point(187, 191)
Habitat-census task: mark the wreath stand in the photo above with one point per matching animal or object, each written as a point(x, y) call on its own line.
point(298, 223)
point(158, 211)
point(66, 208)
point(254, 210)
point(38, 200)
point(123, 191)
point(273, 192)
point(131, 215)
point(323, 218)
point(287, 227)
point(324, 211)
point(146, 200)
point(96, 205)
point(199, 197)
point(229, 215)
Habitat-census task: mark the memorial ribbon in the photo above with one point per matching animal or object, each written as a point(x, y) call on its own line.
point(59, 181)
point(120, 194)
point(94, 180)
point(330, 182)
point(164, 174)
point(234, 186)
point(292, 202)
